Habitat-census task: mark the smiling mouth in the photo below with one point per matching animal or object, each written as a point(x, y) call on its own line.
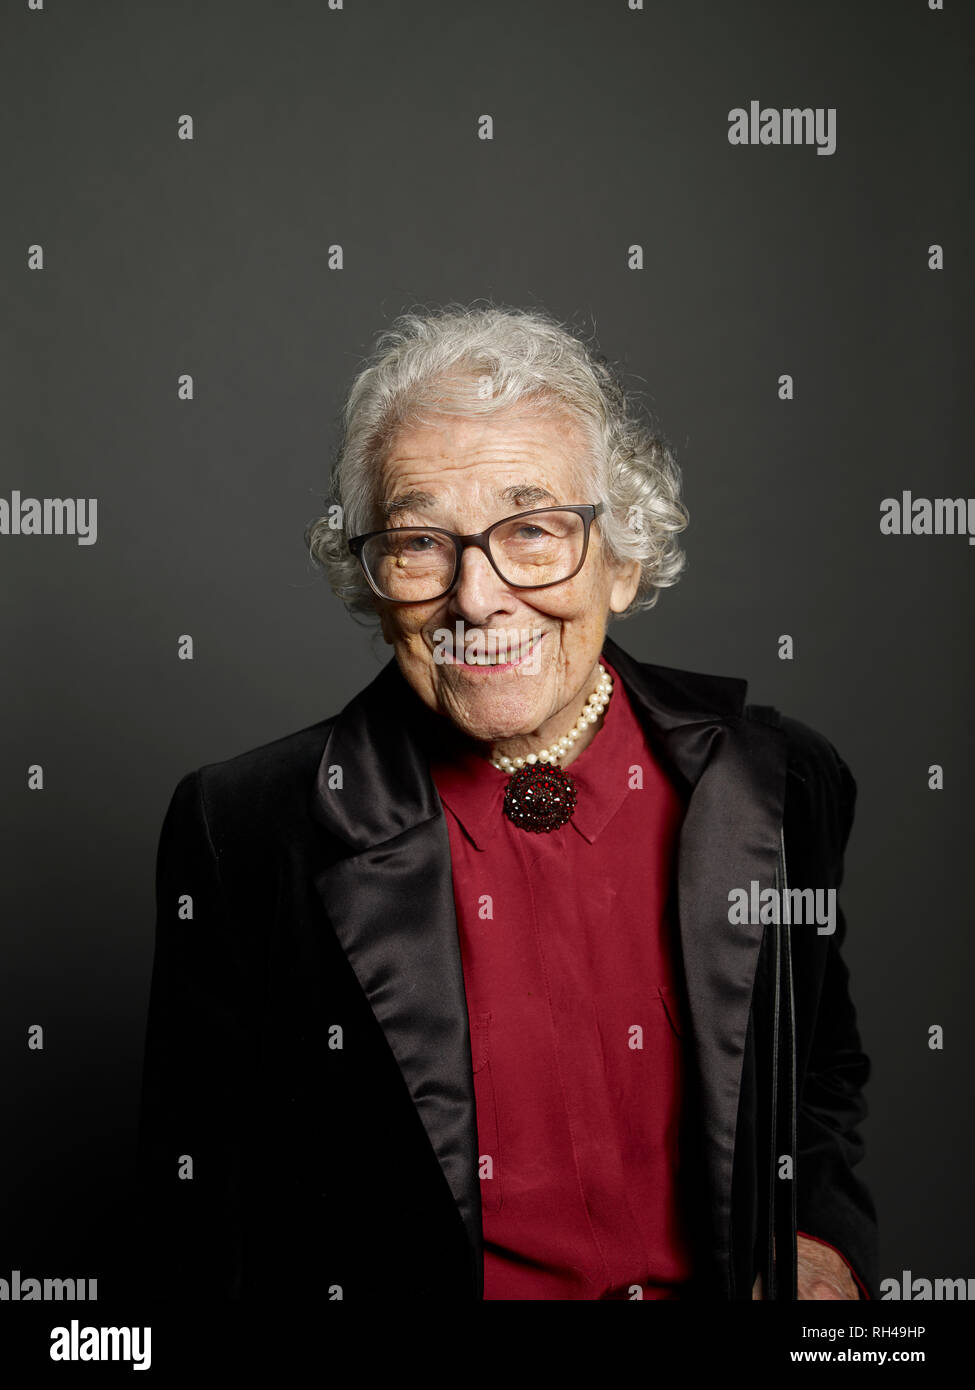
point(499, 659)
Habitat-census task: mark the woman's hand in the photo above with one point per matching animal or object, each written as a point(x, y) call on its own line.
point(822, 1274)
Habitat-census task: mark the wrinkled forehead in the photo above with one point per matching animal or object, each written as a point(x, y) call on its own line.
point(514, 461)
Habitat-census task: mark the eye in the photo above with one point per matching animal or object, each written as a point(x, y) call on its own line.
point(529, 532)
point(416, 543)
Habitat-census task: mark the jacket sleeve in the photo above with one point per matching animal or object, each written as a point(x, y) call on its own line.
point(832, 1203)
point(191, 1122)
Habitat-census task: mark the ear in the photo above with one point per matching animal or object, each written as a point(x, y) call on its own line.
point(626, 581)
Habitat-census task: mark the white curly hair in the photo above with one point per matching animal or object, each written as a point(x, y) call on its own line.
point(436, 362)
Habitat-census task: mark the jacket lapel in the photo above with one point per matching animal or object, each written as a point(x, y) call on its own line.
point(736, 771)
point(390, 902)
point(389, 898)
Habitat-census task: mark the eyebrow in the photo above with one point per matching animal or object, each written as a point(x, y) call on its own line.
point(518, 494)
point(405, 502)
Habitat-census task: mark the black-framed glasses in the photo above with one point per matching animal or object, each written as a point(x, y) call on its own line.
point(530, 550)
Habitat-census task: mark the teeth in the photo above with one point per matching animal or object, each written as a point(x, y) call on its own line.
point(501, 658)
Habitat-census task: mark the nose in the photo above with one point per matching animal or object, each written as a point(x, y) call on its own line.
point(480, 592)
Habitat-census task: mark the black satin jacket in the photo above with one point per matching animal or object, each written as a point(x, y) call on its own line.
point(308, 1122)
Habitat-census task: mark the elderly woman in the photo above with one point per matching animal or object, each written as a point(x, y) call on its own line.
point(486, 987)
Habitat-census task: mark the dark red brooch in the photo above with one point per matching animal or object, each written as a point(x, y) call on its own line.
point(540, 797)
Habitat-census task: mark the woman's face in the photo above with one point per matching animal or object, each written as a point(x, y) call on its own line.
point(463, 475)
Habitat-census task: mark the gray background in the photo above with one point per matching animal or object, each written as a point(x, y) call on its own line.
point(210, 257)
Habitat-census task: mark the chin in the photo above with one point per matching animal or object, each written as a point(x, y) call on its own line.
point(497, 716)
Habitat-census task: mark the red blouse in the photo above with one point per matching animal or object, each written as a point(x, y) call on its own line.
point(567, 943)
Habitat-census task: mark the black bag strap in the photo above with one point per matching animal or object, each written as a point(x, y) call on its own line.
point(781, 1261)
point(785, 1267)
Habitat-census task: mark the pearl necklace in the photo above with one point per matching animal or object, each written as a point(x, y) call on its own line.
point(540, 795)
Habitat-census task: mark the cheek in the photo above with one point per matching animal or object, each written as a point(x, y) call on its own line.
point(412, 643)
point(581, 610)
point(573, 604)
point(583, 626)
point(401, 625)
